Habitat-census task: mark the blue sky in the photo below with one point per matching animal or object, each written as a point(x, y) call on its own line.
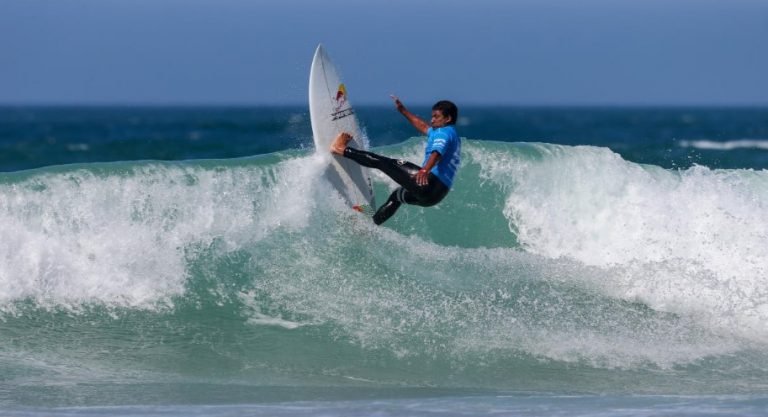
point(539, 52)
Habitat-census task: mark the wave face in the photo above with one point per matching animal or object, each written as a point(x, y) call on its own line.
point(547, 268)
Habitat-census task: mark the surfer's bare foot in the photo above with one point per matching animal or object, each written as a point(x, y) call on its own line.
point(340, 143)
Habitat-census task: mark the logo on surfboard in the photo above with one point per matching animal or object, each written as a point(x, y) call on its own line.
point(341, 100)
point(341, 97)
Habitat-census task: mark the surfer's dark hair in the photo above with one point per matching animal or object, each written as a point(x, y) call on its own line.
point(448, 109)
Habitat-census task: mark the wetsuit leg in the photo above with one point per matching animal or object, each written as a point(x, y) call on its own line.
point(402, 172)
point(387, 209)
point(432, 194)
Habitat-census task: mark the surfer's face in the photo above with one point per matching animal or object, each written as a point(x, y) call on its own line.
point(438, 119)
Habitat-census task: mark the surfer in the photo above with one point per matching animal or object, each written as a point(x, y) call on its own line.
point(424, 185)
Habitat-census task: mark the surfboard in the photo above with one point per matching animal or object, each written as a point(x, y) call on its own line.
point(331, 113)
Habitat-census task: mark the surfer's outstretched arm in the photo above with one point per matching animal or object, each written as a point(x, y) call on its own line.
point(419, 124)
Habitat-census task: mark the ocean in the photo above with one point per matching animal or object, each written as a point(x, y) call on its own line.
point(177, 261)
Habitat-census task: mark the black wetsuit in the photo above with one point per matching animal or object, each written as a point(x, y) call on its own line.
point(403, 173)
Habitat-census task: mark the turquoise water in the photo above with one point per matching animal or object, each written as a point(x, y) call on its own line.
point(555, 279)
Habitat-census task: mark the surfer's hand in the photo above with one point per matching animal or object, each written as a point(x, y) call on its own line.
point(398, 104)
point(422, 178)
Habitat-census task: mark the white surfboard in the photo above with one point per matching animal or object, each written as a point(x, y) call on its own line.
point(331, 113)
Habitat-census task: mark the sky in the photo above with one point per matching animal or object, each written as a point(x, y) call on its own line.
point(258, 52)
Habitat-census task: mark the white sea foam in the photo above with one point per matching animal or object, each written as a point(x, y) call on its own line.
point(264, 320)
point(690, 242)
point(123, 239)
point(728, 145)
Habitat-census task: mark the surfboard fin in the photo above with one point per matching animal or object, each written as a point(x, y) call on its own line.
point(363, 208)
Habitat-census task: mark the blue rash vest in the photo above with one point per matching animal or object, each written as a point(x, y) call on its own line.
point(444, 140)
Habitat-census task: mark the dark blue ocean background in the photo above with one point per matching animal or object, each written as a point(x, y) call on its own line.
point(32, 137)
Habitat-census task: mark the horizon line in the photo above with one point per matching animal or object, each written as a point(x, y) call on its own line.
point(371, 104)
